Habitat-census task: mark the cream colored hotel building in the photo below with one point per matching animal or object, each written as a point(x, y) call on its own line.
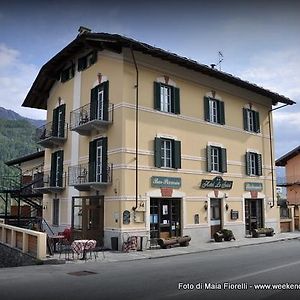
point(204, 157)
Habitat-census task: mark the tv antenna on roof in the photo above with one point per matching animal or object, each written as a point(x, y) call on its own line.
point(220, 55)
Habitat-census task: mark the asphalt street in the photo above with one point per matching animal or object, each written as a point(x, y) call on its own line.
point(221, 274)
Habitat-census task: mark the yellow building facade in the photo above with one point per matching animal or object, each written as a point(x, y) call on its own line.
point(203, 144)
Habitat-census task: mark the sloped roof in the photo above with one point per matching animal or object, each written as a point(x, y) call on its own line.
point(25, 158)
point(39, 92)
point(282, 161)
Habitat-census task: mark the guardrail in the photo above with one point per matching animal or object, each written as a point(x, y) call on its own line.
point(28, 241)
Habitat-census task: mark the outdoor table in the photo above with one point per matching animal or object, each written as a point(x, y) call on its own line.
point(81, 246)
point(56, 240)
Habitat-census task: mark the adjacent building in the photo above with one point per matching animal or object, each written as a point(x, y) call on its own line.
point(291, 181)
point(141, 141)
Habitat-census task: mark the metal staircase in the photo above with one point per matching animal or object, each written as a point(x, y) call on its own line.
point(14, 191)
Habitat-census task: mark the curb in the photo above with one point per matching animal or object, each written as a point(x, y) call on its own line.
point(228, 247)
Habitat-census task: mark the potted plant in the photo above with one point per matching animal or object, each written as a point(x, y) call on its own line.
point(227, 234)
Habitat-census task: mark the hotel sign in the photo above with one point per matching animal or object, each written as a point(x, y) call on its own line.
point(216, 183)
point(170, 182)
point(253, 186)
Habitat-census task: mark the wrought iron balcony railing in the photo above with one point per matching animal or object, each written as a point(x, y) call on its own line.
point(51, 184)
point(85, 119)
point(85, 177)
point(50, 135)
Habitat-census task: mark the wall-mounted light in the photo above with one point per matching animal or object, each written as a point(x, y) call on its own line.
point(226, 206)
point(205, 205)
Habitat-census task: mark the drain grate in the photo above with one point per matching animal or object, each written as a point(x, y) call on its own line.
point(82, 273)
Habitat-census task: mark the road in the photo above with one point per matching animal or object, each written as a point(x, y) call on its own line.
point(163, 278)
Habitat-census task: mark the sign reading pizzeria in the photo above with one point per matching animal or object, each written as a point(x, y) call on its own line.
point(166, 182)
point(216, 183)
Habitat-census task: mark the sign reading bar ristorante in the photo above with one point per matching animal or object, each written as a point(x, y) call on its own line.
point(160, 181)
point(216, 183)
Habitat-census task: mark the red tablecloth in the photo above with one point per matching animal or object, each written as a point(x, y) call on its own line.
point(80, 246)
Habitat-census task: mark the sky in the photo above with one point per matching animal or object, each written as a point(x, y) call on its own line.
point(259, 40)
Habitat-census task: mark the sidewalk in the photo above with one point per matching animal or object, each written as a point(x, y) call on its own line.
point(115, 256)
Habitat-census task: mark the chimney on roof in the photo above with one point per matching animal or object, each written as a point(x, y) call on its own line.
point(212, 66)
point(83, 30)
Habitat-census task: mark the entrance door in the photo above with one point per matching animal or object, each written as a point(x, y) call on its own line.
point(253, 214)
point(87, 218)
point(165, 216)
point(215, 216)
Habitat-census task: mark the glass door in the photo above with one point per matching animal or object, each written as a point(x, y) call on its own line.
point(100, 105)
point(253, 214)
point(215, 216)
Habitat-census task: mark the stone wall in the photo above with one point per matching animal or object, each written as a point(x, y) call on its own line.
point(11, 257)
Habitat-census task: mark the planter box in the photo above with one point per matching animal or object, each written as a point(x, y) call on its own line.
point(262, 231)
point(167, 243)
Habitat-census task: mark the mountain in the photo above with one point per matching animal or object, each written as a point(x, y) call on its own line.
point(17, 137)
point(7, 114)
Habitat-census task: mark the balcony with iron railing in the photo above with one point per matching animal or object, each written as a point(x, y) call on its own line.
point(288, 181)
point(50, 135)
point(83, 120)
point(84, 177)
point(50, 184)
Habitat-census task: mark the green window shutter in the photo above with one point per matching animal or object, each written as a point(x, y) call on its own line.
point(259, 164)
point(177, 154)
point(256, 122)
point(104, 159)
point(223, 160)
point(94, 57)
point(82, 63)
point(55, 122)
point(92, 161)
point(93, 107)
point(176, 99)
point(64, 75)
point(105, 99)
point(247, 160)
point(157, 152)
point(245, 119)
point(221, 112)
point(157, 95)
point(206, 109)
point(208, 158)
point(62, 109)
point(53, 169)
point(60, 171)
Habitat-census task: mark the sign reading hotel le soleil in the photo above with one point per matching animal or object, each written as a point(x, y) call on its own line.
point(216, 183)
point(171, 182)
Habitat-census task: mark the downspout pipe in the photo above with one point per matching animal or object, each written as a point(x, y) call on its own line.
point(271, 150)
point(136, 131)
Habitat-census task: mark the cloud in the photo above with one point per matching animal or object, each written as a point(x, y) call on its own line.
point(277, 71)
point(16, 78)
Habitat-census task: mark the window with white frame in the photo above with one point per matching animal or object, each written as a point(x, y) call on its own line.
point(166, 153)
point(216, 159)
point(166, 98)
point(253, 164)
point(214, 110)
point(251, 120)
